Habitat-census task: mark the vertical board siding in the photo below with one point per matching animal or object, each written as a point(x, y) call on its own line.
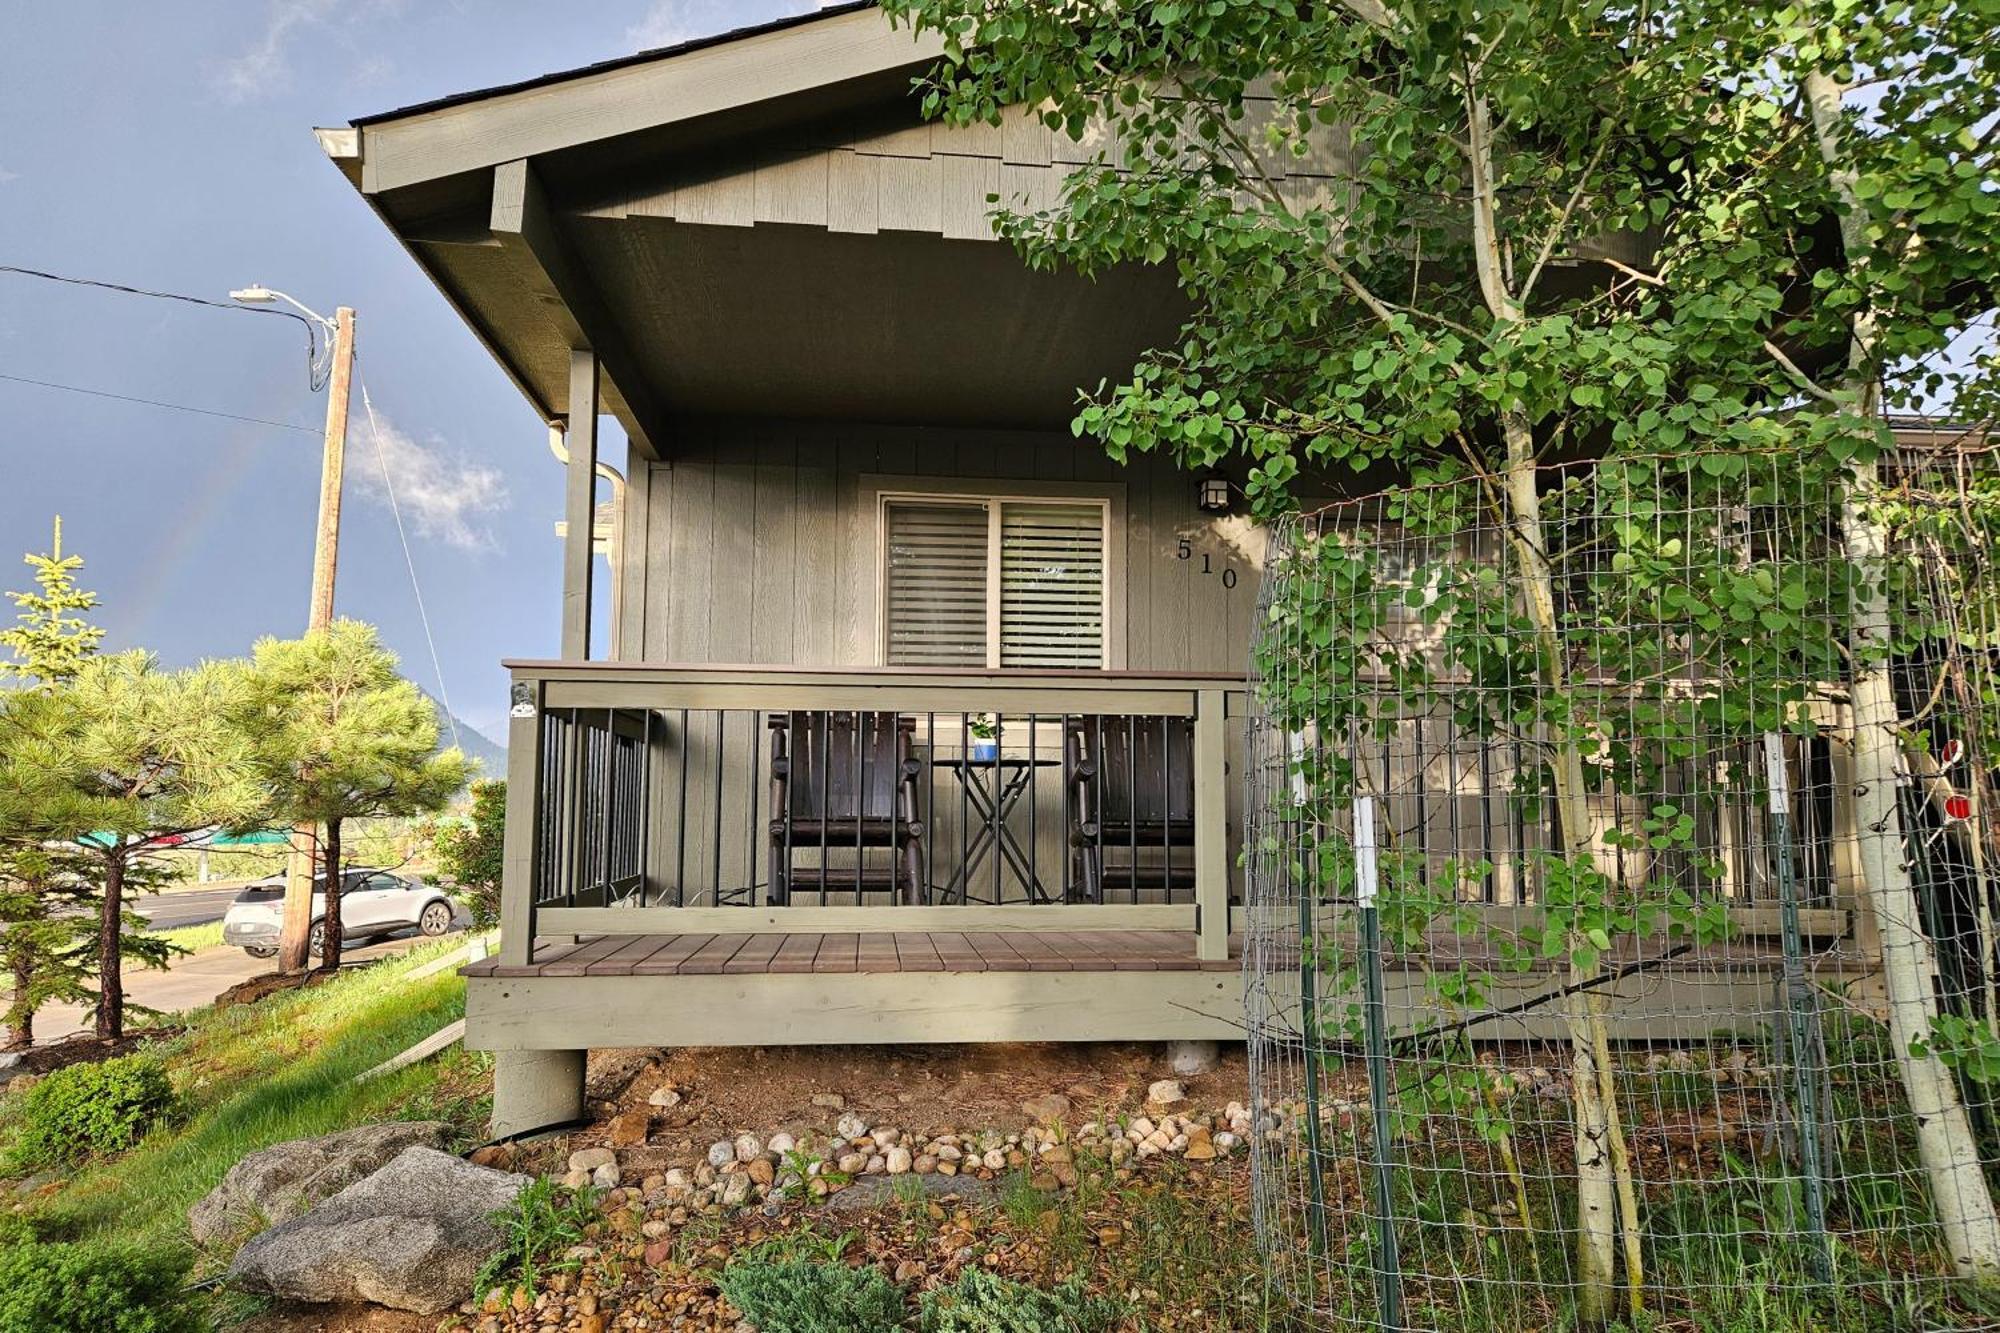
point(758, 543)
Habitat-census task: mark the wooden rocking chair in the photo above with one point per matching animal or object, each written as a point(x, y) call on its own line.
point(1131, 783)
point(846, 782)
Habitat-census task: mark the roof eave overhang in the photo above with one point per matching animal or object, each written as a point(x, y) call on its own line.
point(492, 145)
point(534, 120)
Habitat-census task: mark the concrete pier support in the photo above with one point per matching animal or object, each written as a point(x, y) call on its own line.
point(535, 1088)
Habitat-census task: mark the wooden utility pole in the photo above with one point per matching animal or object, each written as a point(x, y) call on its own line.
point(294, 938)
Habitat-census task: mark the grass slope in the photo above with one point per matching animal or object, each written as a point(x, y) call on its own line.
point(255, 1075)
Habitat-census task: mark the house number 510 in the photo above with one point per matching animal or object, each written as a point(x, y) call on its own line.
point(1185, 551)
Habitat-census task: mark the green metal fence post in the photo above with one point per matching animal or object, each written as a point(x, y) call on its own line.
point(1389, 1277)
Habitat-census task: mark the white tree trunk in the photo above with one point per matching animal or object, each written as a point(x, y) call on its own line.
point(1945, 1144)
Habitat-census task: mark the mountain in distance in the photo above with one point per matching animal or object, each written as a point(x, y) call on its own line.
point(491, 754)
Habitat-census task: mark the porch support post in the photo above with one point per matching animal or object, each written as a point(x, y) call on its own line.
point(534, 1089)
point(580, 505)
point(518, 856)
point(1211, 827)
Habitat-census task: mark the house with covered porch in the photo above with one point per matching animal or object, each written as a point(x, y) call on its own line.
point(917, 719)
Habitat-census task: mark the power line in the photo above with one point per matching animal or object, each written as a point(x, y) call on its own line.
point(312, 330)
point(389, 485)
point(155, 402)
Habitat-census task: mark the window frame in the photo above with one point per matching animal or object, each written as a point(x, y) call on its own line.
point(994, 494)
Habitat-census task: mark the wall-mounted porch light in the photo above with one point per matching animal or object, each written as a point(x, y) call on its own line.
point(1212, 495)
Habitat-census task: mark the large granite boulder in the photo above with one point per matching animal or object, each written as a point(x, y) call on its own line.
point(283, 1181)
point(412, 1236)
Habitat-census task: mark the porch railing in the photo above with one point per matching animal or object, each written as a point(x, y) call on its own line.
point(646, 799)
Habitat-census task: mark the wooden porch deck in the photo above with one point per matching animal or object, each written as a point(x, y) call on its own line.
point(871, 952)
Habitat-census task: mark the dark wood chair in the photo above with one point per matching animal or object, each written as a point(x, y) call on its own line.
point(844, 782)
point(1131, 783)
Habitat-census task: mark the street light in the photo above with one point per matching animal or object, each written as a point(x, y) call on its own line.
point(258, 294)
point(292, 941)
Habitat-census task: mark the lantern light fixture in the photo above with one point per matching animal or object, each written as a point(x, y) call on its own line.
point(1212, 495)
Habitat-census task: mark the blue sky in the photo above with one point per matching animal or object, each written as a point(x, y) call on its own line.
point(170, 146)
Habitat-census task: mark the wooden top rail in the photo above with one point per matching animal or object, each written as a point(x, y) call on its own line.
point(904, 689)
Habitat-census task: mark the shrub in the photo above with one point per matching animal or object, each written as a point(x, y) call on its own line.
point(543, 1221)
point(93, 1288)
point(982, 1302)
point(800, 1296)
point(94, 1110)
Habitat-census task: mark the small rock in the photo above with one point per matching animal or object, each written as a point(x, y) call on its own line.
point(1166, 1092)
point(924, 1164)
point(735, 1189)
point(898, 1161)
point(994, 1160)
point(829, 1101)
point(748, 1148)
point(589, 1159)
point(605, 1177)
point(761, 1171)
point(877, 1164)
point(664, 1096)
point(851, 1164)
point(851, 1126)
point(630, 1129)
point(721, 1153)
point(496, 1156)
point(781, 1143)
point(1046, 1109)
point(576, 1179)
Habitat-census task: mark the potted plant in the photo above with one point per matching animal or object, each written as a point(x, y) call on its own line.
point(984, 729)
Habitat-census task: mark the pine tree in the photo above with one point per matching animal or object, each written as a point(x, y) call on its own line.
point(337, 735)
point(142, 757)
point(48, 944)
point(52, 639)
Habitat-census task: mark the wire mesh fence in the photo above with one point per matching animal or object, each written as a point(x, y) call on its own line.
point(1621, 934)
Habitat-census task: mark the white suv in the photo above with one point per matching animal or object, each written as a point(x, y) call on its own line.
point(372, 902)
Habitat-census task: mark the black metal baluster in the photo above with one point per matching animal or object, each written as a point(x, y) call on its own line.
point(1166, 814)
point(930, 803)
point(964, 876)
point(825, 744)
point(715, 840)
point(860, 806)
point(1033, 886)
point(1068, 853)
point(1097, 805)
point(607, 797)
point(1132, 803)
point(993, 814)
point(681, 830)
point(751, 797)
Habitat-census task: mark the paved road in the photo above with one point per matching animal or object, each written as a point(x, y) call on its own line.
point(186, 907)
point(194, 981)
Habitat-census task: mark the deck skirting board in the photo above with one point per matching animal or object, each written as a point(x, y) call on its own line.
point(868, 1008)
point(859, 1008)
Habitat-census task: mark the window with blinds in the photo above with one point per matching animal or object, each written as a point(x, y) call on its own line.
point(996, 583)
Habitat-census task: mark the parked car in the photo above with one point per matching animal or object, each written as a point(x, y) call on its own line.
point(372, 902)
